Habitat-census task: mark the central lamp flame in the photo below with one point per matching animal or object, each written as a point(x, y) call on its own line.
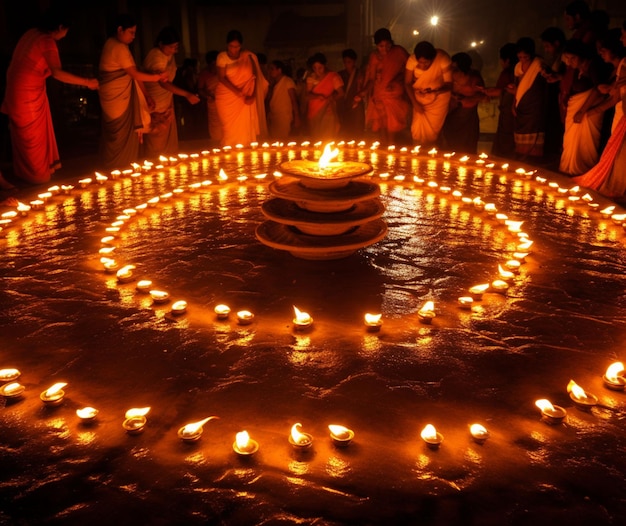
point(545, 405)
point(327, 155)
point(372, 319)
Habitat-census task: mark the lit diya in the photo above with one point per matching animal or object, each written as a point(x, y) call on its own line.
point(373, 322)
point(580, 397)
point(87, 414)
point(245, 317)
point(302, 320)
point(431, 436)
point(614, 377)
point(427, 313)
point(325, 173)
point(222, 311)
point(12, 390)
point(340, 435)
point(135, 420)
point(479, 433)
point(53, 395)
point(10, 374)
point(179, 307)
point(244, 445)
point(192, 432)
point(551, 414)
point(298, 439)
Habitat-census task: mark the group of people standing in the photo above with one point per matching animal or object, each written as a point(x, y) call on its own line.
point(561, 104)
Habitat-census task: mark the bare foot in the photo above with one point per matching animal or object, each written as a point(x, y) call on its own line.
point(9, 201)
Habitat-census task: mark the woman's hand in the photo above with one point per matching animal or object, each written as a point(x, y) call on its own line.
point(93, 84)
point(192, 99)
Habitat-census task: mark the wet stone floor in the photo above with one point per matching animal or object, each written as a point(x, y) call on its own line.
point(64, 318)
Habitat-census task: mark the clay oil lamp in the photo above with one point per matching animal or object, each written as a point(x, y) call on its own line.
point(222, 311)
point(479, 433)
point(500, 286)
point(505, 274)
point(110, 265)
point(431, 436)
point(551, 414)
point(153, 201)
point(37, 204)
point(244, 445)
point(84, 183)
point(179, 307)
point(12, 390)
point(87, 414)
point(101, 179)
point(144, 285)
point(340, 435)
point(614, 377)
point(607, 212)
point(107, 240)
point(192, 432)
point(373, 322)
point(135, 420)
point(159, 296)
point(432, 152)
point(125, 274)
point(44, 196)
point(53, 395)
point(580, 397)
point(245, 317)
point(299, 440)
point(67, 188)
point(222, 177)
point(490, 208)
point(477, 291)
point(302, 320)
point(512, 265)
point(9, 374)
point(22, 208)
point(426, 313)
point(465, 302)
point(505, 167)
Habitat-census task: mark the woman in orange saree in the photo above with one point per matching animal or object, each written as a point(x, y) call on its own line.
point(388, 107)
point(324, 87)
point(36, 57)
point(240, 94)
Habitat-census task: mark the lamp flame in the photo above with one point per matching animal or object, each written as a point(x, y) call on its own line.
point(372, 319)
point(614, 371)
point(51, 391)
point(340, 432)
point(478, 431)
point(576, 390)
point(297, 437)
point(137, 411)
point(195, 427)
point(327, 155)
point(242, 439)
point(429, 433)
point(301, 317)
point(545, 405)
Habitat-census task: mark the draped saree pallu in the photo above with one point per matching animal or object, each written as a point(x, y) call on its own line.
point(581, 140)
point(426, 125)
point(241, 123)
point(163, 136)
point(322, 113)
point(388, 107)
point(124, 118)
point(529, 110)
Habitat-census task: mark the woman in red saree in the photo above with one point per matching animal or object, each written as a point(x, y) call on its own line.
point(388, 107)
point(324, 87)
point(36, 57)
